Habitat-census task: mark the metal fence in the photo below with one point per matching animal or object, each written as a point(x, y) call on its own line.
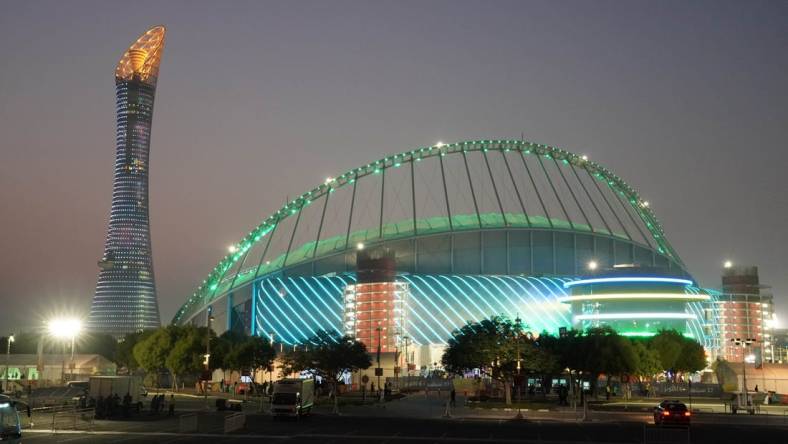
point(236, 421)
point(67, 417)
point(187, 423)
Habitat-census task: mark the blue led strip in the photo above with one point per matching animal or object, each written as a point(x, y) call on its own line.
point(527, 308)
point(336, 297)
point(299, 315)
point(509, 309)
point(533, 283)
point(273, 300)
point(469, 300)
point(465, 299)
point(456, 280)
point(415, 298)
point(271, 317)
point(639, 279)
point(470, 315)
point(549, 298)
point(316, 295)
point(440, 309)
point(459, 317)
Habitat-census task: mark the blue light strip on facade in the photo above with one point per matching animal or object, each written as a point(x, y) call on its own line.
point(639, 279)
point(437, 305)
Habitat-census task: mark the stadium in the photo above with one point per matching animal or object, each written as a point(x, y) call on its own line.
point(466, 230)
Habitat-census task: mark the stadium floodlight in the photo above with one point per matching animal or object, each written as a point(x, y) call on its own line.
point(64, 328)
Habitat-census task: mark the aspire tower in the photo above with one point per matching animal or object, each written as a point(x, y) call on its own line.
point(125, 298)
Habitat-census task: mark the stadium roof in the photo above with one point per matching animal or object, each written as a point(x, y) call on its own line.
point(464, 186)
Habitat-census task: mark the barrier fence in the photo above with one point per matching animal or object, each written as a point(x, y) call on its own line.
point(236, 421)
point(68, 417)
point(187, 423)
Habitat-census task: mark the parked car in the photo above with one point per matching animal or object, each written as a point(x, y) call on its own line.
point(671, 412)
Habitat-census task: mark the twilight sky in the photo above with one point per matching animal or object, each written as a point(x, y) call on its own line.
point(687, 101)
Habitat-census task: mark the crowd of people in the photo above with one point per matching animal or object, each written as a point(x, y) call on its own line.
point(114, 407)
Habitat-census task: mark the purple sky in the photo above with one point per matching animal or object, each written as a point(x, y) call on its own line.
point(688, 102)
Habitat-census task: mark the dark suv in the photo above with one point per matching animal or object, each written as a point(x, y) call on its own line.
point(671, 412)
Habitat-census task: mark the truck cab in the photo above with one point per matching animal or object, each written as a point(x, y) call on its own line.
point(292, 397)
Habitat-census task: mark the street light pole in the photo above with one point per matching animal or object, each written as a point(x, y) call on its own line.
point(518, 326)
point(207, 357)
point(744, 343)
point(378, 369)
point(8, 358)
point(71, 365)
point(407, 364)
point(270, 369)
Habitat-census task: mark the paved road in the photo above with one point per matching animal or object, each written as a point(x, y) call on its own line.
point(355, 429)
point(419, 419)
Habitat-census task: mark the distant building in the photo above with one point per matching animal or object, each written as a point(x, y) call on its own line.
point(125, 299)
point(780, 345)
point(745, 310)
point(48, 369)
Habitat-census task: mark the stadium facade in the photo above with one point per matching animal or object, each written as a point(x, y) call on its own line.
point(125, 299)
point(478, 228)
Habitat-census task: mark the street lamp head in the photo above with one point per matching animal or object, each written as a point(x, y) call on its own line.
point(592, 265)
point(727, 264)
point(64, 328)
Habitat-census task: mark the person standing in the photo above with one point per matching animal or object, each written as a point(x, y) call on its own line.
point(171, 410)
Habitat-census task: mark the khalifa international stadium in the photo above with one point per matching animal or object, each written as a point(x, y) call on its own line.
point(472, 229)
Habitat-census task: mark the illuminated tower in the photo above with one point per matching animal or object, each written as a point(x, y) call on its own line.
point(125, 299)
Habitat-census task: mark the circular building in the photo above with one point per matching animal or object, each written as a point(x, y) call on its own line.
point(473, 229)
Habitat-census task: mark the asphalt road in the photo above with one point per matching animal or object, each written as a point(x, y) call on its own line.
point(355, 429)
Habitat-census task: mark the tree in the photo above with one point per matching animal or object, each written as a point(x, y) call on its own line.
point(249, 353)
point(188, 352)
point(668, 344)
point(493, 346)
point(124, 352)
point(152, 351)
point(692, 357)
point(649, 363)
point(328, 355)
point(220, 348)
point(604, 351)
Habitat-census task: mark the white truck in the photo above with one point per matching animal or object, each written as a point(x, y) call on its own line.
point(103, 386)
point(292, 397)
